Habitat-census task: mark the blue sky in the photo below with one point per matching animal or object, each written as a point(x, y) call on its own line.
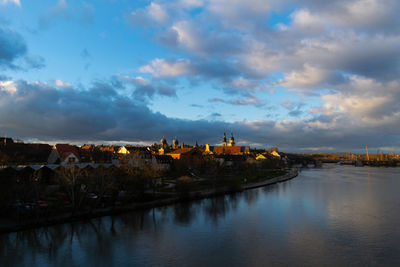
point(301, 75)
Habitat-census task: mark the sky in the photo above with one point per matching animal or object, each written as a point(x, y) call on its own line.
point(305, 76)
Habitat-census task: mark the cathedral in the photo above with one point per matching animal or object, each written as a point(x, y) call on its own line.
point(228, 148)
point(231, 140)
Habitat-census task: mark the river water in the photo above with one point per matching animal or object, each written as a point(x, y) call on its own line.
point(335, 216)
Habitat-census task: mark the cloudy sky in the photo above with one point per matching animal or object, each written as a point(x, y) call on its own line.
point(310, 75)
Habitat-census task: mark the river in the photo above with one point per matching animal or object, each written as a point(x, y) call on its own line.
point(335, 215)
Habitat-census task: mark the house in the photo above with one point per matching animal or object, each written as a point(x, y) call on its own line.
point(187, 155)
point(63, 154)
point(274, 152)
point(177, 153)
point(261, 156)
point(123, 150)
point(137, 156)
point(96, 154)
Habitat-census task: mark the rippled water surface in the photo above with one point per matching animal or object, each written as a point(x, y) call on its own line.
point(336, 216)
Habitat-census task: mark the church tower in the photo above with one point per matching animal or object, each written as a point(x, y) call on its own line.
point(163, 143)
point(175, 143)
point(231, 140)
point(224, 140)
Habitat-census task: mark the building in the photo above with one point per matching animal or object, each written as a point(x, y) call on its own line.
point(163, 143)
point(123, 150)
point(97, 154)
point(177, 153)
point(187, 155)
point(175, 143)
point(228, 149)
point(63, 154)
point(231, 140)
point(224, 140)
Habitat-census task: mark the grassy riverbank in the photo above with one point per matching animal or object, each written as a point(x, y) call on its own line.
point(202, 188)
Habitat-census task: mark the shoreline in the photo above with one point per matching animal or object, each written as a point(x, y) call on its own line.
point(67, 218)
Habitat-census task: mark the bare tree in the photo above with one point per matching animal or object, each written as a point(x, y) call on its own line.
point(73, 179)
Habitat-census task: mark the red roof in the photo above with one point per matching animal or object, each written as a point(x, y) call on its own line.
point(87, 147)
point(227, 150)
point(107, 148)
point(64, 150)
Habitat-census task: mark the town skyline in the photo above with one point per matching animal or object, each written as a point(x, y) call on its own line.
point(303, 76)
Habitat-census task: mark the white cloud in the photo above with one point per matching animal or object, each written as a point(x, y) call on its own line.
point(365, 99)
point(188, 35)
point(370, 14)
point(16, 2)
point(140, 81)
point(167, 68)
point(191, 3)
point(237, 13)
point(148, 15)
point(157, 12)
point(61, 83)
point(8, 86)
point(308, 77)
point(242, 83)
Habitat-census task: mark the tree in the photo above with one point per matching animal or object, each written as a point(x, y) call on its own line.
point(72, 178)
point(104, 182)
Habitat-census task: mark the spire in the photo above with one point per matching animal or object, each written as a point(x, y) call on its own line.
point(231, 140)
point(175, 143)
point(224, 140)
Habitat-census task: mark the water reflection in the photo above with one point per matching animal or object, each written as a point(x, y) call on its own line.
point(335, 215)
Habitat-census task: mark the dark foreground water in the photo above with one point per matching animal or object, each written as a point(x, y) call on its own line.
point(336, 216)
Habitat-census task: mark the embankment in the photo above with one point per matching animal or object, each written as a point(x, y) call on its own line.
point(68, 217)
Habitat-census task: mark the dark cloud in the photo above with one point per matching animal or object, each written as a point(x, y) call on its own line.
point(12, 47)
point(295, 108)
point(101, 113)
point(144, 90)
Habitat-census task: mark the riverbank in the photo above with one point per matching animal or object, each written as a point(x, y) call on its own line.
point(68, 217)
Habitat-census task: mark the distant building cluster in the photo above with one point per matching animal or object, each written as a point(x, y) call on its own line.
point(160, 156)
